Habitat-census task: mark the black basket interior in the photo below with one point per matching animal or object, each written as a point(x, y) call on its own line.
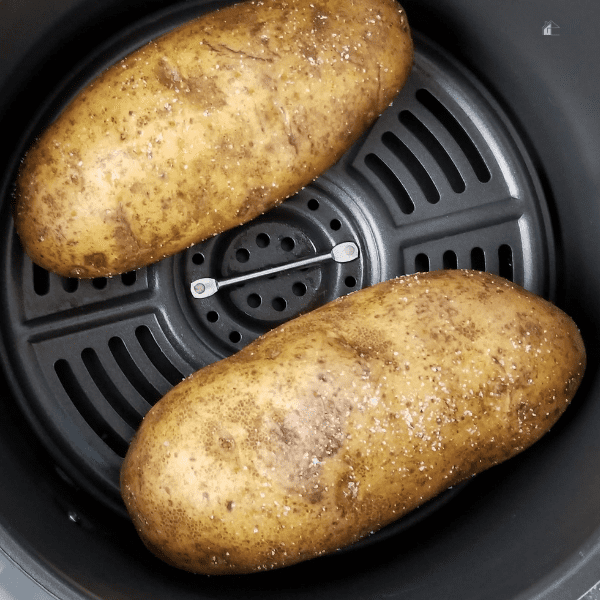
point(449, 177)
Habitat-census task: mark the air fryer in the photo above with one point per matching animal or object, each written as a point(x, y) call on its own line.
point(487, 159)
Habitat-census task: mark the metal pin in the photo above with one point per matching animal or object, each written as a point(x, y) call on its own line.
point(342, 253)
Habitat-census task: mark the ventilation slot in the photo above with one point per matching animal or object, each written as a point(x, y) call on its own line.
point(422, 263)
point(107, 388)
point(391, 182)
point(134, 375)
point(157, 357)
point(436, 149)
point(478, 259)
point(449, 260)
point(86, 409)
point(416, 169)
point(99, 283)
point(505, 259)
point(454, 128)
point(70, 284)
point(41, 281)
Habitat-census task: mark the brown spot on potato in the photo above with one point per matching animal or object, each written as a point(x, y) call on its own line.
point(226, 443)
point(205, 92)
point(96, 261)
point(167, 75)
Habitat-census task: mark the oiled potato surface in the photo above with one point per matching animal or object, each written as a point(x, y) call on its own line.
point(206, 128)
point(346, 418)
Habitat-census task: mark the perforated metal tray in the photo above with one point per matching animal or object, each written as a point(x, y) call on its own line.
point(440, 181)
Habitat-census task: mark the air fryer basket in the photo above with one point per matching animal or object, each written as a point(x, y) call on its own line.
point(470, 167)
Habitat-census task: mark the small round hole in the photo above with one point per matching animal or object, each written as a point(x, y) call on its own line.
point(100, 282)
point(235, 337)
point(254, 300)
point(279, 304)
point(70, 284)
point(129, 278)
point(212, 316)
point(350, 281)
point(287, 244)
point(299, 289)
point(313, 204)
point(198, 258)
point(335, 224)
point(242, 255)
point(262, 240)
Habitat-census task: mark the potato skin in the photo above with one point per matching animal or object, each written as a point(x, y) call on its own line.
point(346, 418)
point(206, 128)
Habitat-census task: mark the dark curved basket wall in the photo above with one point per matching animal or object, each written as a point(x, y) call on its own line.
point(488, 159)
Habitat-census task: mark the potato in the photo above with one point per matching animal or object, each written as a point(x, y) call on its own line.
point(346, 418)
point(206, 128)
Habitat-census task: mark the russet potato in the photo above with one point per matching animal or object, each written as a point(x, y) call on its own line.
point(205, 128)
point(344, 419)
